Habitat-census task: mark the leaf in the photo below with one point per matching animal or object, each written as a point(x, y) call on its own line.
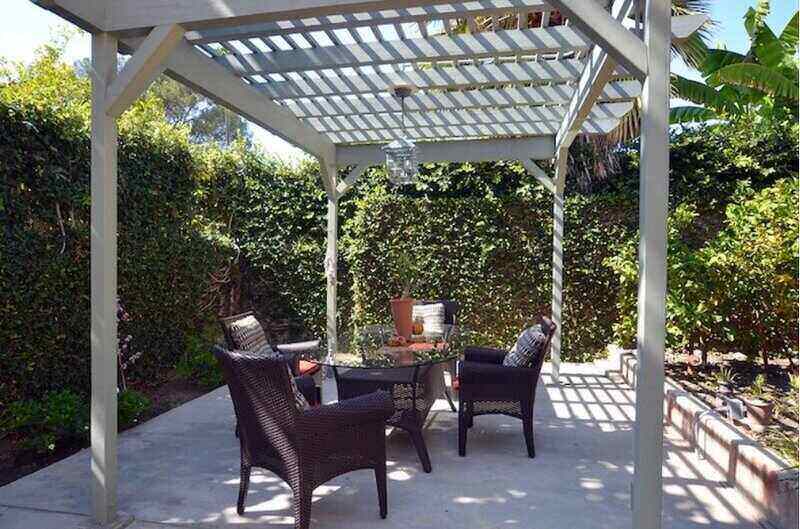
point(768, 49)
point(698, 93)
point(756, 76)
point(689, 114)
point(790, 35)
point(756, 18)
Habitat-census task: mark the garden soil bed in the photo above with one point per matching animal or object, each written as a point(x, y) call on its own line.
point(17, 461)
point(782, 436)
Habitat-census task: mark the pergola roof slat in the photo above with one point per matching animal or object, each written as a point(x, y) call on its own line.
point(505, 97)
point(468, 76)
point(462, 117)
point(441, 47)
point(419, 14)
point(485, 130)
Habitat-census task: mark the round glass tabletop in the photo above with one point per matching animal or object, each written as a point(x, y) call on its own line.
point(376, 346)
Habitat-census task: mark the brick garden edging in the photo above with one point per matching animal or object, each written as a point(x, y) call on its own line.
point(763, 478)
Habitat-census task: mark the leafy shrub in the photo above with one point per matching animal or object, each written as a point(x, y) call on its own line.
point(131, 406)
point(736, 291)
point(60, 417)
point(198, 363)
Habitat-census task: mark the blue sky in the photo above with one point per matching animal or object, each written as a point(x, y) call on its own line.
point(25, 26)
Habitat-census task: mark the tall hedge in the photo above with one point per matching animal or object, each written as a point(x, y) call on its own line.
point(164, 260)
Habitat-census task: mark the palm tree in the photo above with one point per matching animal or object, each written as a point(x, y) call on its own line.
point(762, 79)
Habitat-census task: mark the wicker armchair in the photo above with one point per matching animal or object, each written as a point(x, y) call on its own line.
point(489, 387)
point(304, 448)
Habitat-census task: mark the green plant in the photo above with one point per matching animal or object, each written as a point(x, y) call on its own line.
point(198, 362)
point(131, 406)
point(763, 80)
point(758, 388)
point(725, 376)
point(406, 270)
point(60, 417)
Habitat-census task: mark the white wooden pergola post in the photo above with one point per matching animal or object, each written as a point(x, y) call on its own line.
point(557, 303)
point(103, 431)
point(329, 175)
point(653, 195)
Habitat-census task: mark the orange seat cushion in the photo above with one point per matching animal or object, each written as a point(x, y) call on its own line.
point(307, 368)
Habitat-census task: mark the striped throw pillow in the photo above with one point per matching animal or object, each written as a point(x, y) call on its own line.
point(247, 334)
point(528, 349)
point(432, 318)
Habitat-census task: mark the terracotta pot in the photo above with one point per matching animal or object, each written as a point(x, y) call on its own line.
point(759, 414)
point(401, 313)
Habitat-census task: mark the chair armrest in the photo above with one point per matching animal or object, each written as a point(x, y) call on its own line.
point(374, 407)
point(488, 355)
point(482, 373)
point(307, 387)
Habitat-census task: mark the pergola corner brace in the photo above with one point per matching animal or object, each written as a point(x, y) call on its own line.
point(142, 68)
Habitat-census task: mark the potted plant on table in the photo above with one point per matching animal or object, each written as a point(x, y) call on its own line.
point(406, 272)
point(759, 409)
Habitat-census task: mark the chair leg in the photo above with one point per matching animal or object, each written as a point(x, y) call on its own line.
point(380, 480)
point(449, 399)
point(462, 428)
point(301, 504)
point(527, 427)
point(470, 409)
point(422, 450)
point(244, 484)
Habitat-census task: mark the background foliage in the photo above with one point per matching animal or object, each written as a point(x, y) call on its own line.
point(206, 230)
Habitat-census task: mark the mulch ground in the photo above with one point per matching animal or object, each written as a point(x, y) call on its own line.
point(17, 461)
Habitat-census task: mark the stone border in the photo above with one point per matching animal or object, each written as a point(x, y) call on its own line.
point(763, 478)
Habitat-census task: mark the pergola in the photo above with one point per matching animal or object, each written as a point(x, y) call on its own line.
point(510, 85)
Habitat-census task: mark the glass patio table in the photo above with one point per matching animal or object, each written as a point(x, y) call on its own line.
point(368, 360)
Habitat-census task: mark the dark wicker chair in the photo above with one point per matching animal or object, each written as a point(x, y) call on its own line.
point(489, 387)
point(304, 448)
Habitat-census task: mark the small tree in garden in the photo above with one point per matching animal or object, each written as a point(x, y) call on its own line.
point(754, 264)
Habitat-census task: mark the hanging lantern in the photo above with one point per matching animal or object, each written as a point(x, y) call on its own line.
point(402, 161)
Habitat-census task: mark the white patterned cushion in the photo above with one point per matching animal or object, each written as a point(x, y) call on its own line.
point(247, 334)
point(432, 318)
point(528, 349)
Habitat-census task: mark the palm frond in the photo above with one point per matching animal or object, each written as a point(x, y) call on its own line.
point(756, 18)
point(756, 76)
point(790, 35)
point(688, 114)
point(768, 49)
point(719, 58)
point(698, 93)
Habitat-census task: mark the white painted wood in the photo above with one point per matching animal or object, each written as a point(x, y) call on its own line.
point(600, 126)
point(132, 15)
point(103, 430)
point(537, 172)
point(596, 74)
point(457, 100)
point(142, 68)
point(683, 26)
point(420, 14)
point(349, 181)
point(540, 148)
point(449, 78)
point(485, 116)
point(653, 195)
point(609, 33)
point(331, 260)
point(203, 75)
point(557, 303)
point(88, 15)
point(440, 47)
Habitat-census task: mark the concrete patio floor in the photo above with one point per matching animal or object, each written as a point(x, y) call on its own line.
point(182, 468)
